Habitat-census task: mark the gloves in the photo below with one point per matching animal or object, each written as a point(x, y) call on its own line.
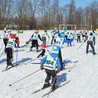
point(41, 67)
point(57, 71)
point(26, 42)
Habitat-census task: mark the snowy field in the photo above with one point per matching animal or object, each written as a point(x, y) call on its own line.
point(26, 78)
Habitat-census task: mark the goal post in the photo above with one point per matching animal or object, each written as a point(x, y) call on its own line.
point(67, 26)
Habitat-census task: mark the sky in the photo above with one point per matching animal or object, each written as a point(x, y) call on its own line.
point(78, 3)
point(26, 78)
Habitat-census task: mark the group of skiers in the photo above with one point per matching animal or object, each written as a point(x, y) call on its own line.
point(52, 63)
point(90, 38)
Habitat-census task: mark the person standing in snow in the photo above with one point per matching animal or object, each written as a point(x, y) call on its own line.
point(44, 37)
point(6, 37)
point(60, 40)
point(5, 30)
point(90, 41)
point(51, 64)
point(17, 39)
point(69, 37)
point(79, 36)
point(55, 36)
point(34, 40)
point(53, 33)
point(94, 35)
point(9, 50)
point(43, 46)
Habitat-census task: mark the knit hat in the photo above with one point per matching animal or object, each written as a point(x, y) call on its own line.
point(37, 31)
point(91, 34)
point(12, 35)
point(55, 50)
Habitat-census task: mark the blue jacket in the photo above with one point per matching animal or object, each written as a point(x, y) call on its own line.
point(54, 56)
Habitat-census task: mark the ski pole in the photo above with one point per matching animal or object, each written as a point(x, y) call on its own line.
point(1, 47)
point(31, 61)
point(2, 53)
point(23, 78)
point(72, 67)
point(80, 45)
point(16, 56)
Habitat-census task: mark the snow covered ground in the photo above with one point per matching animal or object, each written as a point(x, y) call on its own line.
point(25, 79)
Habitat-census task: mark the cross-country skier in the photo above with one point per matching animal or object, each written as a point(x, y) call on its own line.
point(43, 46)
point(44, 37)
point(53, 33)
point(51, 64)
point(6, 37)
point(79, 36)
point(60, 40)
point(94, 35)
point(9, 50)
point(17, 39)
point(90, 41)
point(34, 40)
point(69, 37)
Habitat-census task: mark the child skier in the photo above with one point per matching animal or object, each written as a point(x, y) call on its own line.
point(43, 46)
point(17, 39)
point(53, 33)
point(51, 64)
point(60, 40)
point(34, 40)
point(9, 50)
point(44, 37)
point(6, 37)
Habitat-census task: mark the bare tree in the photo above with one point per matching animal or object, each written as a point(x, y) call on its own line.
point(6, 12)
point(72, 9)
point(46, 14)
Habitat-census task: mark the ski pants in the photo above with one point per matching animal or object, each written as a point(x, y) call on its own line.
point(90, 43)
point(9, 53)
point(60, 57)
point(50, 73)
point(34, 43)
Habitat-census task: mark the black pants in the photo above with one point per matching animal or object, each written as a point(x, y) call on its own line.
point(78, 39)
point(9, 53)
point(50, 73)
point(34, 44)
point(42, 53)
point(90, 43)
point(60, 57)
point(5, 42)
point(52, 40)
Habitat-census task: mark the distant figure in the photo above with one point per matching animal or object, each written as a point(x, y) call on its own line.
point(79, 36)
point(44, 37)
point(90, 40)
point(94, 35)
point(53, 33)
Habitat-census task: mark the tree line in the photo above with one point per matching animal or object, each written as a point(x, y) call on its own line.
point(47, 14)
